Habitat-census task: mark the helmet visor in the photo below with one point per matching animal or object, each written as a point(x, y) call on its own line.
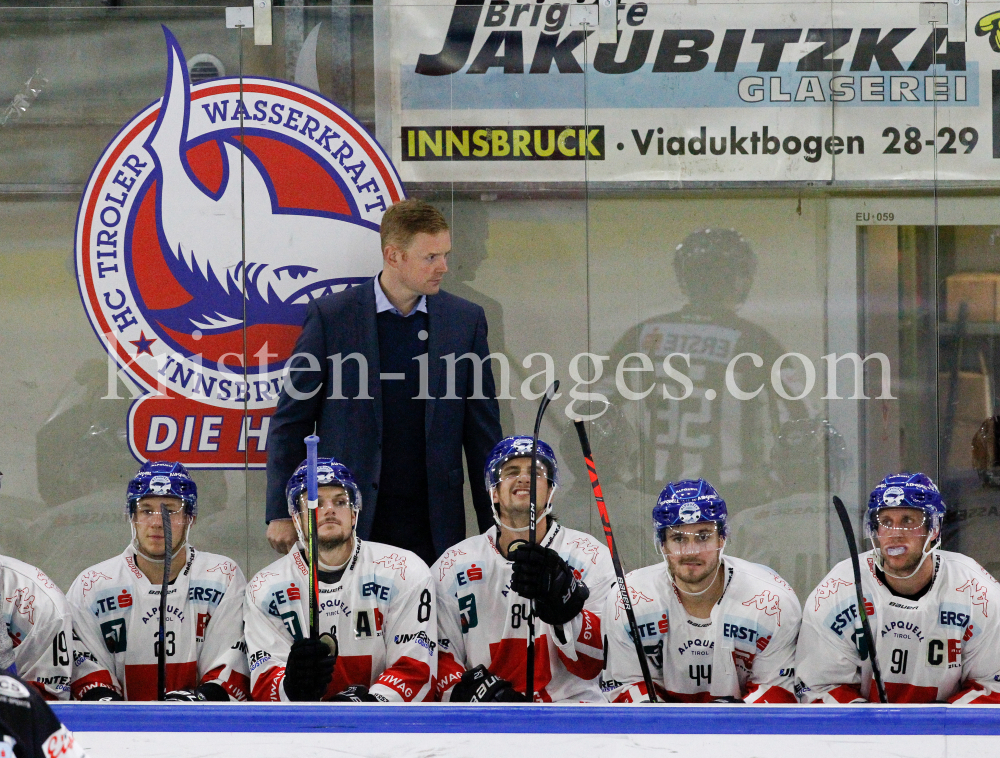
point(900, 520)
point(690, 539)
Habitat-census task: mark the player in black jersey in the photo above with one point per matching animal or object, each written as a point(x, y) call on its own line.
point(28, 727)
point(710, 433)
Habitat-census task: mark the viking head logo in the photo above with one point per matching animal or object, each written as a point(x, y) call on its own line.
point(689, 513)
point(893, 496)
point(209, 223)
point(159, 485)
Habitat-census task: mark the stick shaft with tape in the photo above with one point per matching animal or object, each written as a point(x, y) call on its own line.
point(845, 522)
point(609, 537)
point(161, 652)
point(312, 503)
point(550, 393)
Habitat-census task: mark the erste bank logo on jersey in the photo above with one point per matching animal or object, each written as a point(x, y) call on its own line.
point(196, 260)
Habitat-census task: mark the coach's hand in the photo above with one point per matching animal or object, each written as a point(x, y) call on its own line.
point(281, 534)
point(540, 574)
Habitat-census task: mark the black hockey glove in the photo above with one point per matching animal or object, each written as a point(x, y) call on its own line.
point(480, 685)
point(356, 693)
point(540, 574)
point(209, 691)
point(308, 670)
point(102, 694)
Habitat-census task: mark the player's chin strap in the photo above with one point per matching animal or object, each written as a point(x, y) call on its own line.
point(927, 550)
point(711, 584)
point(538, 516)
point(302, 539)
point(153, 559)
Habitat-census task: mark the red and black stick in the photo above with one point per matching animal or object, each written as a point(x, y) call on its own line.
point(588, 456)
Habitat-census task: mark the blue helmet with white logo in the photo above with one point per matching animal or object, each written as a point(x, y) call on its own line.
point(691, 501)
point(519, 447)
point(905, 491)
point(163, 479)
point(329, 472)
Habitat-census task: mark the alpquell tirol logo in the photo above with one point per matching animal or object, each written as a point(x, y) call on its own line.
point(160, 251)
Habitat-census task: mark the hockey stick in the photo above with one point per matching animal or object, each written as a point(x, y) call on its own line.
point(588, 456)
point(845, 521)
point(529, 688)
point(168, 560)
point(312, 497)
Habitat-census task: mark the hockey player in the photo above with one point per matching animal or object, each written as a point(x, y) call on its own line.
point(375, 602)
point(39, 624)
point(485, 587)
point(28, 727)
point(708, 433)
point(714, 628)
point(116, 606)
point(929, 609)
point(39, 628)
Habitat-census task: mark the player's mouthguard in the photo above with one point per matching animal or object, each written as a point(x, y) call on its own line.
point(898, 550)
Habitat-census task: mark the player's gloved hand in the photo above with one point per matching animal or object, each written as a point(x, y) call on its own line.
point(308, 670)
point(181, 696)
point(540, 574)
point(356, 693)
point(480, 685)
point(102, 695)
point(209, 691)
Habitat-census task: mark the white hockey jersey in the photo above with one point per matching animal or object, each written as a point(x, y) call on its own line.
point(944, 646)
point(482, 621)
point(381, 611)
point(40, 624)
point(116, 618)
point(745, 649)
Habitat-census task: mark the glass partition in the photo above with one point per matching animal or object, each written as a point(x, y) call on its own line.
point(754, 242)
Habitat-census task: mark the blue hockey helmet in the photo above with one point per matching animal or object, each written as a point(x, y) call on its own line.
point(163, 479)
point(906, 490)
point(691, 501)
point(329, 472)
point(519, 447)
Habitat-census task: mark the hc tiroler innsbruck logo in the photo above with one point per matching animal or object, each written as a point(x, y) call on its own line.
point(160, 251)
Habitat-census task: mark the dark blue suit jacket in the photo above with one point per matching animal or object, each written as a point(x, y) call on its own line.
point(351, 429)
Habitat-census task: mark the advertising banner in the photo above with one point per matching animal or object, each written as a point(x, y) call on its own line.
point(503, 91)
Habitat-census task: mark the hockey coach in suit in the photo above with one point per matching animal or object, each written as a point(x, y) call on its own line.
point(403, 430)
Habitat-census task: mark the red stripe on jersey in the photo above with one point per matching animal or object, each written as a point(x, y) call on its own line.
point(350, 670)
point(268, 687)
point(684, 697)
point(991, 698)
point(637, 692)
point(845, 693)
point(407, 676)
point(449, 674)
point(42, 691)
point(141, 679)
point(98, 679)
point(585, 667)
point(237, 685)
point(770, 695)
point(590, 632)
point(898, 692)
point(508, 659)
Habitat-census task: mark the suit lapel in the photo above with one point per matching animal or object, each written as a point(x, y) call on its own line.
point(435, 349)
point(368, 328)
